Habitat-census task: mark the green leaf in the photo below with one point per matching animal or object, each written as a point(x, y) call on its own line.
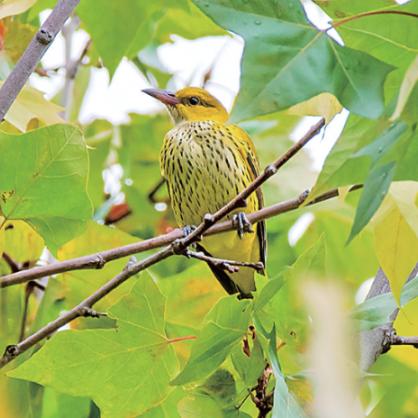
point(199, 406)
point(125, 371)
point(121, 28)
point(267, 292)
point(332, 225)
point(287, 61)
point(188, 22)
point(168, 408)
point(374, 191)
point(226, 324)
point(363, 145)
point(397, 393)
point(47, 188)
point(387, 37)
point(285, 404)
point(384, 154)
point(251, 367)
point(56, 404)
point(376, 311)
point(98, 138)
point(139, 157)
point(221, 387)
point(78, 284)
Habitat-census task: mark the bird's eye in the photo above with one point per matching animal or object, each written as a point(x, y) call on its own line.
point(194, 100)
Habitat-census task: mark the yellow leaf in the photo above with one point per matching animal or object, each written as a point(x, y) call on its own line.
point(396, 234)
point(343, 192)
point(17, 38)
point(325, 104)
point(21, 242)
point(14, 7)
point(31, 105)
point(408, 83)
point(407, 324)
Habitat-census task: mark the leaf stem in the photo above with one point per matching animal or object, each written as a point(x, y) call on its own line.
point(370, 13)
point(180, 339)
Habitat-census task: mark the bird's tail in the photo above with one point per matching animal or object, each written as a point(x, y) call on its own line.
point(232, 286)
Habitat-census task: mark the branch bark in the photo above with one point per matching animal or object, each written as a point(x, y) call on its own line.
point(177, 246)
point(33, 53)
point(377, 341)
point(98, 260)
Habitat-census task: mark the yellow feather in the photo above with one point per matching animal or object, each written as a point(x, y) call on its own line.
point(207, 163)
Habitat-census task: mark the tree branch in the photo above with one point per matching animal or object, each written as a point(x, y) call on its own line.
point(12, 351)
point(377, 341)
point(98, 260)
point(33, 53)
point(400, 340)
point(239, 200)
point(229, 265)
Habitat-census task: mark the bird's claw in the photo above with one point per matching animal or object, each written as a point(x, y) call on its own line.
point(178, 244)
point(187, 230)
point(242, 224)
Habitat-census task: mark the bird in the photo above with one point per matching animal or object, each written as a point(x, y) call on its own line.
point(206, 162)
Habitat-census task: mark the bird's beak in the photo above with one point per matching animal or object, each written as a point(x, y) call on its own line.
point(163, 96)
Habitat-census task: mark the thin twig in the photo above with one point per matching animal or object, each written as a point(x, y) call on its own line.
point(401, 340)
point(230, 265)
point(12, 351)
point(33, 53)
point(30, 287)
point(154, 190)
point(68, 31)
point(13, 265)
point(98, 260)
point(237, 202)
point(371, 13)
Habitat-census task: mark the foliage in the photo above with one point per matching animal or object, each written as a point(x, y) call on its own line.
point(172, 344)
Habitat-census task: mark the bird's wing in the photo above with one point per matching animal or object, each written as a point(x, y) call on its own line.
point(249, 155)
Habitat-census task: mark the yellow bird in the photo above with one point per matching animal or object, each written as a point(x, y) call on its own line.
point(207, 162)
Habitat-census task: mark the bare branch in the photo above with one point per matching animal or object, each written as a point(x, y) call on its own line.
point(230, 265)
point(83, 308)
point(400, 340)
point(33, 53)
point(98, 260)
point(12, 351)
point(269, 171)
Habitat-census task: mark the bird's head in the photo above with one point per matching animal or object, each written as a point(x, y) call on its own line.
point(190, 104)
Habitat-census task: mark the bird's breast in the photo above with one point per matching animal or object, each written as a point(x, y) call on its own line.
point(202, 168)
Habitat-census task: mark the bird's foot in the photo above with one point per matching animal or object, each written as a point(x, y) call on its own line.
point(178, 244)
point(242, 224)
point(188, 229)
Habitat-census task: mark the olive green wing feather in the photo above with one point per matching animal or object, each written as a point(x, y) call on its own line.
point(249, 155)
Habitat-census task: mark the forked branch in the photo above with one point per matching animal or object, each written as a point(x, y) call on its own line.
point(12, 351)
